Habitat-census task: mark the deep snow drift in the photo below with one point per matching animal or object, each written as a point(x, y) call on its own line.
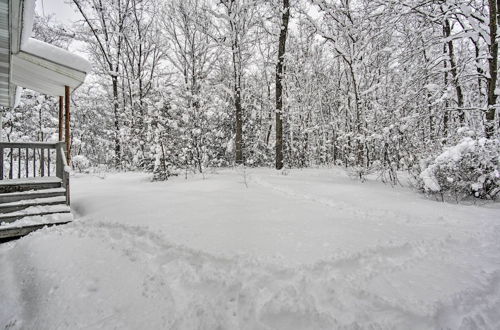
point(308, 250)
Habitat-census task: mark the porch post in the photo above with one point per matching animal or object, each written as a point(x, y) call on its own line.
point(67, 127)
point(61, 119)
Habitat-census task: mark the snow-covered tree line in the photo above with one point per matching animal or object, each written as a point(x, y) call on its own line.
point(373, 85)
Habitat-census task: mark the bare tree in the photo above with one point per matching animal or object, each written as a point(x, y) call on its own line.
point(193, 53)
point(285, 16)
point(141, 57)
point(239, 17)
point(107, 20)
point(491, 122)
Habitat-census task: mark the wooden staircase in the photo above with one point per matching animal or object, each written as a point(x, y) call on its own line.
point(30, 198)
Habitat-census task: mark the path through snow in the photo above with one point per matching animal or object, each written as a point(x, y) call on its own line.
point(309, 250)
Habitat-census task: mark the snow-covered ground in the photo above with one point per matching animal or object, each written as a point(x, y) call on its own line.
point(308, 250)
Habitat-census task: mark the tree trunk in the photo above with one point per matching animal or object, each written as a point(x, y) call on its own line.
point(270, 114)
point(279, 86)
point(117, 123)
point(454, 73)
point(445, 115)
point(479, 70)
point(239, 120)
point(235, 48)
point(493, 68)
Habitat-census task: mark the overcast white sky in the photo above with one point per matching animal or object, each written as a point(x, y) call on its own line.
point(64, 13)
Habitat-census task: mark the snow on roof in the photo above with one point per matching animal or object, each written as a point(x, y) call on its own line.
point(44, 50)
point(56, 55)
point(34, 64)
point(28, 17)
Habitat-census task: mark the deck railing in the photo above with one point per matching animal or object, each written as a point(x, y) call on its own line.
point(34, 159)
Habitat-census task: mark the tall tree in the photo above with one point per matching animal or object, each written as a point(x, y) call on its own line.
point(193, 53)
point(141, 57)
point(285, 16)
point(239, 18)
point(107, 20)
point(491, 122)
point(453, 69)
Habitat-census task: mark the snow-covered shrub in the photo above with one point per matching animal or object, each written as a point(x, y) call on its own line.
point(161, 171)
point(469, 168)
point(81, 163)
point(358, 173)
point(386, 172)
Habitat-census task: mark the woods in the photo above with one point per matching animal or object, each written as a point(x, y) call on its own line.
point(374, 86)
point(249, 164)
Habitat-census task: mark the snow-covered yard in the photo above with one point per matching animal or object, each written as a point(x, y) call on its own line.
point(308, 250)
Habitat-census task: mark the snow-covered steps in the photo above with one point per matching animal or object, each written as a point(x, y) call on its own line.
point(31, 223)
point(33, 211)
point(16, 185)
point(29, 204)
point(23, 204)
point(31, 194)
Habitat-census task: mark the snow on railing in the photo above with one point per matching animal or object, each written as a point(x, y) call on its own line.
point(20, 160)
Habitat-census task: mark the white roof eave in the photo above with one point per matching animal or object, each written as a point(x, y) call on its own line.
point(44, 76)
point(35, 64)
point(56, 55)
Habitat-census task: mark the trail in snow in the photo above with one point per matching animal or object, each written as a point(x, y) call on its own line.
point(344, 264)
point(175, 287)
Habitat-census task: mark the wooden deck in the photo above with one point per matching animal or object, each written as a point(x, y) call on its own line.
point(34, 188)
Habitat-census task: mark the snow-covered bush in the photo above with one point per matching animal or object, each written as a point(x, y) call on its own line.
point(81, 163)
point(358, 173)
point(469, 168)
